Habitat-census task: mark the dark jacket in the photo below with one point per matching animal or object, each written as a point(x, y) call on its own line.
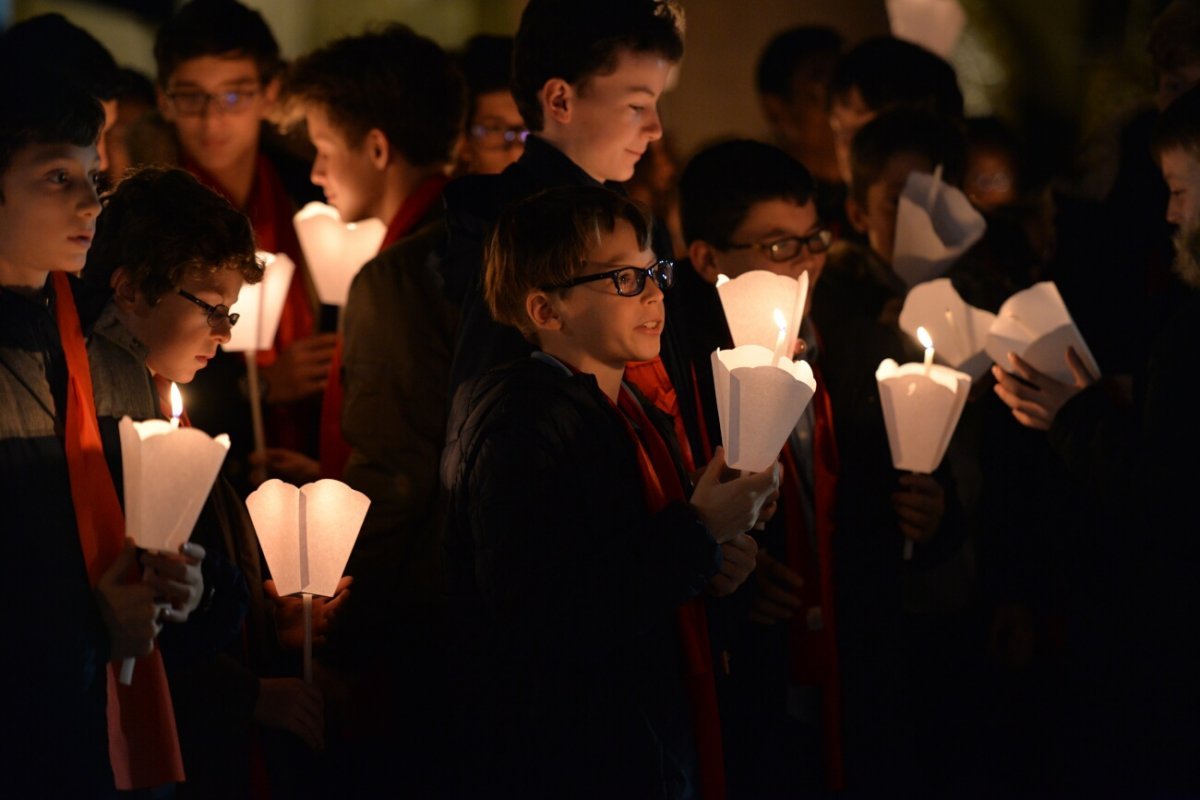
point(564, 590)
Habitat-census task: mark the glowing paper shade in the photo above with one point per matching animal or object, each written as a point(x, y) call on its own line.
point(921, 406)
point(760, 398)
point(336, 251)
point(1036, 325)
point(935, 225)
point(934, 24)
point(261, 305)
point(960, 330)
point(307, 534)
point(756, 301)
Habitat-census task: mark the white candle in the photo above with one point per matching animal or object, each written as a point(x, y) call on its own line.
point(781, 349)
point(927, 343)
point(176, 405)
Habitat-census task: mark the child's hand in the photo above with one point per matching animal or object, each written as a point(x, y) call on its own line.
point(289, 613)
point(736, 565)
point(301, 370)
point(919, 504)
point(1036, 399)
point(290, 704)
point(127, 607)
point(176, 580)
point(778, 596)
point(731, 508)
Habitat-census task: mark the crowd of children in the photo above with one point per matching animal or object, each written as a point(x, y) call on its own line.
point(560, 588)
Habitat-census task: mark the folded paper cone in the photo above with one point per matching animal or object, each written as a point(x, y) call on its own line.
point(959, 330)
point(168, 474)
point(336, 251)
point(759, 401)
point(931, 237)
point(261, 305)
point(307, 534)
point(750, 301)
point(920, 411)
point(1036, 325)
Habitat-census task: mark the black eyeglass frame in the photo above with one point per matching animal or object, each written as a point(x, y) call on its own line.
point(222, 100)
point(662, 270)
point(822, 236)
point(511, 136)
point(215, 313)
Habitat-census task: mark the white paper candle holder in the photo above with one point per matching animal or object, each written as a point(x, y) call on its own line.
point(960, 330)
point(334, 250)
point(935, 225)
point(921, 407)
point(1036, 325)
point(754, 302)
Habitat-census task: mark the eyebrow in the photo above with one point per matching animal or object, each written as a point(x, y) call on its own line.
point(640, 89)
point(236, 83)
point(56, 152)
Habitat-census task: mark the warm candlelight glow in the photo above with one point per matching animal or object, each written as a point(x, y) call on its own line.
point(924, 337)
point(176, 402)
point(780, 322)
point(722, 280)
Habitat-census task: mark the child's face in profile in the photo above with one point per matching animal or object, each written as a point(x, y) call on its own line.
point(351, 181)
point(1181, 171)
point(178, 331)
point(602, 326)
point(876, 217)
point(48, 214)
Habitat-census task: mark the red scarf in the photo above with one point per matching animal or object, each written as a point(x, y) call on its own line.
point(652, 380)
point(143, 745)
point(813, 654)
point(335, 451)
point(662, 486)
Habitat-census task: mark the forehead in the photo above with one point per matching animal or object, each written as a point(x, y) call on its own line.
point(498, 104)
point(899, 165)
point(1180, 165)
point(215, 72)
point(321, 126)
point(642, 73)
point(778, 216)
point(224, 282)
point(34, 156)
point(619, 246)
point(850, 108)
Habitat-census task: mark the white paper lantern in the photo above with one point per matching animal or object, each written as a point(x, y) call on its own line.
point(1036, 325)
point(336, 250)
point(935, 225)
point(960, 330)
point(261, 306)
point(757, 302)
point(921, 406)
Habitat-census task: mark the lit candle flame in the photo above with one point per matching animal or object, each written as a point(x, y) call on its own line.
point(780, 321)
point(722, 280)
point(176, 402)
point(926, 339)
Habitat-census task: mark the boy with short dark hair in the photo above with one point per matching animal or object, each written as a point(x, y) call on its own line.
point(571, 524)
point(494, 133)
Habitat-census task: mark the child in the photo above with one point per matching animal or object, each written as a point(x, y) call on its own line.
point(575, 554)
point(494, 134)
point(218, 76)
point(84, 608)
point(750, 206)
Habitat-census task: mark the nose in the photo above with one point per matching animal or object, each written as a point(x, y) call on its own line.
point(651, 293)
point(223, 332)
point(653, 127)
point(1174, 211)
point(317, 175)
point(89, 202)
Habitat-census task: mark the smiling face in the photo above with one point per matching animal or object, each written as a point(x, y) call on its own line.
point(353, 184)
point(605, 123)
point(176, 330)
point(48, 213)
point(219, 139)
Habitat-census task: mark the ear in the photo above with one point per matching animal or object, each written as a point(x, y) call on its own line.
point(773, 109)
point(125, 294)
point(271, 91)
point(856, 214)
point(704, 260)
point(378, 148)
point(558, 100)
point(541, 310)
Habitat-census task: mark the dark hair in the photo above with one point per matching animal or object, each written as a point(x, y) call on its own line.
point(216, 28)
point(134, 86)
point(486, 63)
point(722, 183)
point(40, 109)
point(905, 130)
point(161, 225)
point(1178, 126)
point(577, 39)
point(544, 240)
point(49, 44)
point(890, 72)
point(811, 48)
point(391, 79)
point(1174, 40)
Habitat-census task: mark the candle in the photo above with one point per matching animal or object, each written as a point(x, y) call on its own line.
point(959, 329)
point(781, 350)
point(927, 343)
point(765, 309)
point(176, 405)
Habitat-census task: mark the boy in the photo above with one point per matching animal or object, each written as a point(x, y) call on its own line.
point(383, 110)
point(750, 206)
point(66, 555)
point(494, 134)
point(218, 76)
point(586, 77)
point(575, 554)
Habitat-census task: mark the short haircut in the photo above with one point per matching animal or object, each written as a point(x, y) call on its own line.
point(1178, 126)
point(544, 240)
point(905, 130)
point(163, 225)
point(1175, 36)
point(811, 49)
point(890, 72)
point(48, 43)
point(216, 28)
point(722, 183)
point(486, 63)
point(39, 109)
point(578, 39)
point(391, 79)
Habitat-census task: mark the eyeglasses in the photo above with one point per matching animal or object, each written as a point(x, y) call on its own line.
point(232, 102)
point(628, 281)
point(790, 247)
point(499, 137)
point(216, 314)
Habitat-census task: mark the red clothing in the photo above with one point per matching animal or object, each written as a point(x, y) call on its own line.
point(652, 380)
point(335, 452)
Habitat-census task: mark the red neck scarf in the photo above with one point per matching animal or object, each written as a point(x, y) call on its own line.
point(335, 451)
point(662, 486)
point(143, 746)
point(652, 380)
